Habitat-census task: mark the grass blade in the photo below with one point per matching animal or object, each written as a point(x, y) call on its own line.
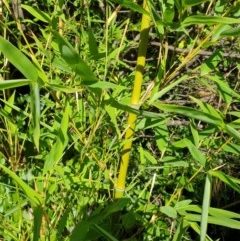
point(205, 207)
point(19, 60)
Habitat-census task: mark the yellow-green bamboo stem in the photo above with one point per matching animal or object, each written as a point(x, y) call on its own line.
point(136, 93)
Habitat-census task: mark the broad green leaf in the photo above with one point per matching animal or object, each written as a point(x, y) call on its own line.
point(38, 14)
point(189, 3)
point(161, 135)
point(29, 192)
point(196, 154)
point(131, 5)
point(181, 143)
point(149, 157)
point(13, 83)
point(183, 203)
point(169, 211)
point(169, 14)
point(205, 207)
point(209, 20)
point(195, 134)
point(72, 58)
point(191, 113)
point(19, 60)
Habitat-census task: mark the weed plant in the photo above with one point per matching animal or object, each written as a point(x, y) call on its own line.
point(67, 91)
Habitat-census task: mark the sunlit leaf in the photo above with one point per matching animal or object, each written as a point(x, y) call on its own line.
point(209, 20)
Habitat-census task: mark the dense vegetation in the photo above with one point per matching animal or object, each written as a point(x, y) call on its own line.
point(67, 75)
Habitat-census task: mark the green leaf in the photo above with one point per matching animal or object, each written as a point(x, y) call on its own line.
point(30, 193)
point(226, 179)
point(80, 231)
point(189, 3)
point(14, 83)
point(72, 58)
point(225, 91)
point(169, 211)
point(233, 32)
point(116, 206)
point(161, 135)
point(226, 222)
point(208, 20)
point(131, 5)
point(35, 108)
point(102, 231)
point(93, 49)
point(38, 214)
point(205, 207)
point(19, 60)
point(232, 148)
point(38, 14)
point(191, 113)
point(149, 157)
point(169, 87)
point(232, 132)
point(181, 229)
point(196, 154)
point(58, 148)
point(206, 108)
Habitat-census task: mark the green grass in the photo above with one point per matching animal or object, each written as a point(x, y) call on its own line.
point(66, 86)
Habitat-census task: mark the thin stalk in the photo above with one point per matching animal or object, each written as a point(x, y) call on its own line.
point(135, 103)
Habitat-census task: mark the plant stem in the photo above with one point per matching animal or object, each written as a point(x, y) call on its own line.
point(135, 102)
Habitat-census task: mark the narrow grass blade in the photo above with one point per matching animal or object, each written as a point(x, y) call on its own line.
point(30, 193)
point(205, 207)
point(209, 20)
point(226, 179)
point(189, 3)
point(131, 5)
point(191, 112)
point(35, 108)
point(13, 83)
point(38, 14)
point(225, 222)
point(106, 234)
